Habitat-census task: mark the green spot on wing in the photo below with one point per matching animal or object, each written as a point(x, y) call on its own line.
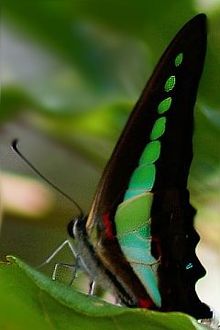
point(151, 153)
point(143, 177)
point(179, 59)
point(131, 193)
point(145, 231)
point(133, 213)
point(138, 252)
point(164, 105)
point(158, 128)
point(133, 240)
point(170, 83)
point(150, 281)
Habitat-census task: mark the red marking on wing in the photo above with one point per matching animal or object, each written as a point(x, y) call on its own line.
point(145, 303)
point(108, 226)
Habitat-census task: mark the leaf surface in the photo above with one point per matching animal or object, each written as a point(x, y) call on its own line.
point(30, 300)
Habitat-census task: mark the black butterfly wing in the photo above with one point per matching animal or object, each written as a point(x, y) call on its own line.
point(177, 144)
point(170, 94)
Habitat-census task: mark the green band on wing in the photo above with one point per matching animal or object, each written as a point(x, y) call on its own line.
point(133, 213)
point(132, 220)
point(149, 279)
point(151, 153)
point(158, 128)
point(143, 177)
point(164, 105)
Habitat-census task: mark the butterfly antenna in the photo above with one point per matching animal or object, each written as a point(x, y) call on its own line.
point(14, 146)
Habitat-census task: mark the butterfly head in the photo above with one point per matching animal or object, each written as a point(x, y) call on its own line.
point(74, 223)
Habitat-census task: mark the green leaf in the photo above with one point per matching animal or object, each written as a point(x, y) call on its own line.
point(29, 300)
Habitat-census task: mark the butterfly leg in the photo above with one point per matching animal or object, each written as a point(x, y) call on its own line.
point(92, 287)
point(75, 268)
point(58, 249)
point(72, 267)
point(118, 301)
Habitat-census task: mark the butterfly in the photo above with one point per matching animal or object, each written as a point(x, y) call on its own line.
point(138, 239)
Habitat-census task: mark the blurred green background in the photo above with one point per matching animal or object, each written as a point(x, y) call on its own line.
point(71, 72)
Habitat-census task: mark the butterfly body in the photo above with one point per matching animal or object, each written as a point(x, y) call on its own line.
point(139, 239)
